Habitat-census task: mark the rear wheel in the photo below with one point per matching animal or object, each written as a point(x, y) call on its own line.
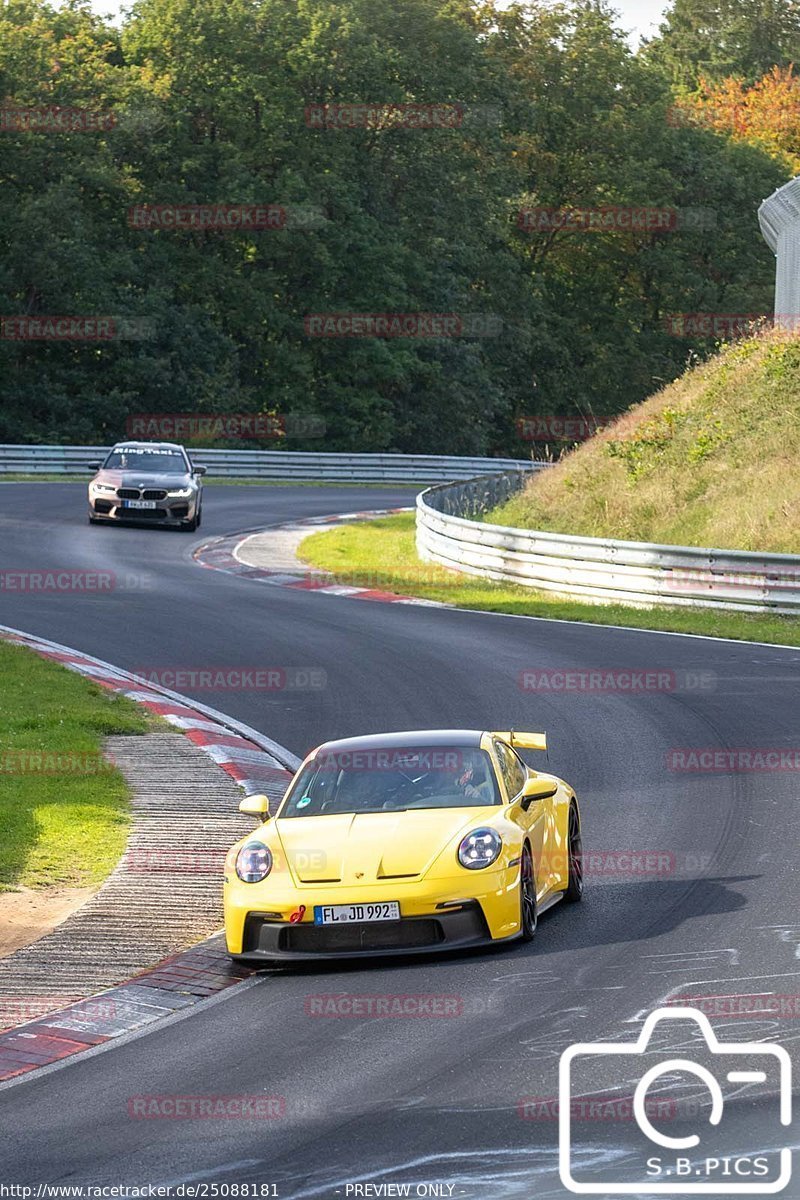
point(527, 896)
point(574, 890)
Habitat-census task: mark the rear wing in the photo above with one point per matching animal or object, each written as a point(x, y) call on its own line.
point(523, 741)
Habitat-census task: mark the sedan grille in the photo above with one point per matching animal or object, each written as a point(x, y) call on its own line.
point(128, 493)
point(154, 494)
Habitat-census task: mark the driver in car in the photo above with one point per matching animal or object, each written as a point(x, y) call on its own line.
point(474, 786)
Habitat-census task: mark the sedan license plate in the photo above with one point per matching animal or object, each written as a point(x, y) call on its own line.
point(138, 503)
point(337, 914)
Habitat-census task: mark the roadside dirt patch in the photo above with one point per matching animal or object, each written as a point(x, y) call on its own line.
point(28, 914)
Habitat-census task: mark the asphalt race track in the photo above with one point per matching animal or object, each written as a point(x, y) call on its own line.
point(427, 1100)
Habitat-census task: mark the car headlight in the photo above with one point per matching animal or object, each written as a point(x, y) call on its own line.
point(253, 862)
point(103, 487)
point(180, 494)
point(479, 849)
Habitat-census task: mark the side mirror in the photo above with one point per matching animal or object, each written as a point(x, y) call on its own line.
point(537, 789)
point(93, 466)
point(199, 470)
point(255, 806)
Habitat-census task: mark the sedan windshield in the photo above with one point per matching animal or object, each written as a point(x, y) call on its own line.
point(154, 462)
point(392, 780)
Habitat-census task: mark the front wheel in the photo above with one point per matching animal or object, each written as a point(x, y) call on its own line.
point(528, 916)
point(574, 890)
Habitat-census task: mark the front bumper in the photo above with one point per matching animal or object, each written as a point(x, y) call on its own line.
point(436, 916)
point(167, 511)
point(268, 939)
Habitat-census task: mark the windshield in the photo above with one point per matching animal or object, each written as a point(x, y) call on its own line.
point(392, 780)
point(160, 462)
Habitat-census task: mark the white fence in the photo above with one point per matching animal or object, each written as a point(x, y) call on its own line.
point(274, 464)
point(595, 569)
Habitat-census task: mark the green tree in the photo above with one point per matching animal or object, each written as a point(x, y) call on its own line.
point(715, 38)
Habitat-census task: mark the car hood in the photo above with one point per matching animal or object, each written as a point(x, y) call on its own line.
point(362, 848)
point(143, 479)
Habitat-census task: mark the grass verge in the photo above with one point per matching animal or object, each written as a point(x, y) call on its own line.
point(66, 825)
point(382, 554)
point(710, 460)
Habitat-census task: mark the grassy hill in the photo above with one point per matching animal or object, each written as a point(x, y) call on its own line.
point(711, 460)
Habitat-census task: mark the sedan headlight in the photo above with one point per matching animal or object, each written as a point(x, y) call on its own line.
point(103, 487)
point(180, 494)
point(479, 849)
point(253, 862)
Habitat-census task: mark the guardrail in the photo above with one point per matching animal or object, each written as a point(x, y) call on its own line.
point(275, 465)
point(595, 569)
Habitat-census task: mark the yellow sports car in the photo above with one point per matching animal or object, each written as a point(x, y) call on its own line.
point(404, 842)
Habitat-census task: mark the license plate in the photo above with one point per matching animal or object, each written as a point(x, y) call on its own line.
point(138, 503)
point(339, 914)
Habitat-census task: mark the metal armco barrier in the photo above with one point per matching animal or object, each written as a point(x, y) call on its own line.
point(595, 569)
point(274, 464)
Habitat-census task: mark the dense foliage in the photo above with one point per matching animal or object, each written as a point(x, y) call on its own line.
point(209, 99)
